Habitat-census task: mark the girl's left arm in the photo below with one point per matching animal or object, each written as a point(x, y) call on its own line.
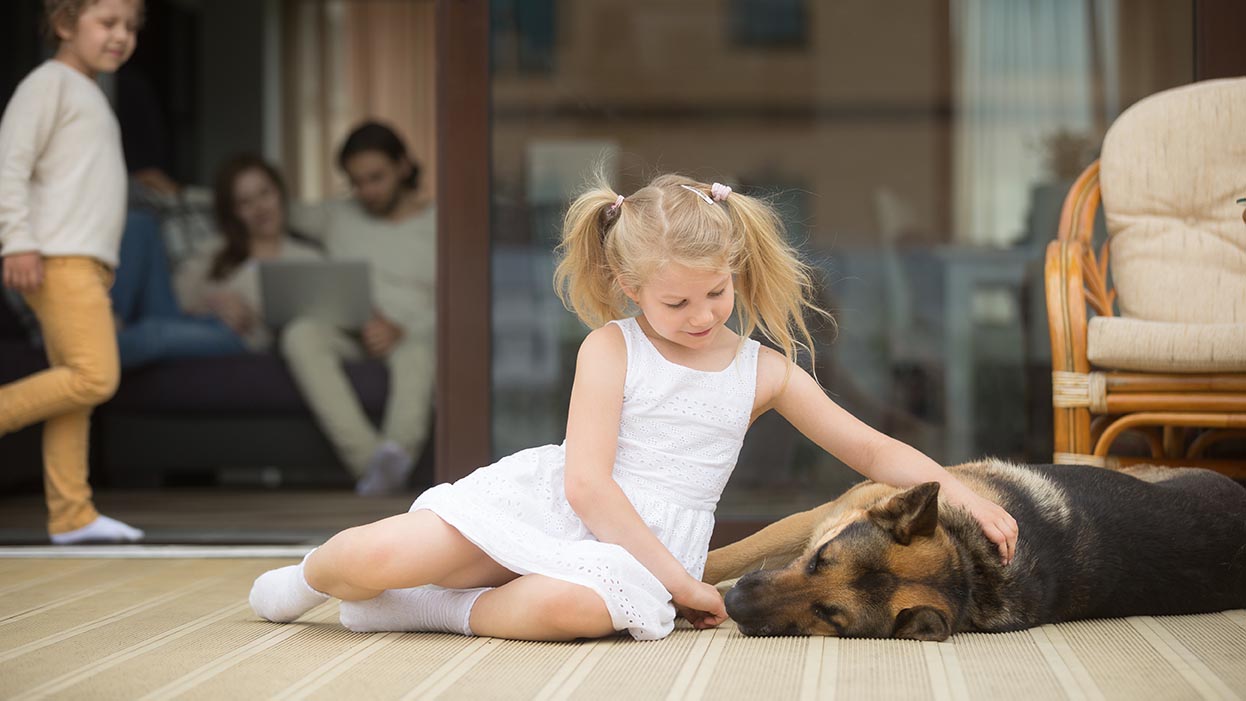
point(879, 457)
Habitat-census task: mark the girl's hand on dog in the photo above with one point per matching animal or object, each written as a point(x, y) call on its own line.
point(998, 525)
point(700, 604)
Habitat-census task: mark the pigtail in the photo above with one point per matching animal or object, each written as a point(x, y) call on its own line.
point(774, 287)
point(608, 243)
point(583, 279)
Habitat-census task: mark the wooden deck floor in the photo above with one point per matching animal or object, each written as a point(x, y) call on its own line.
point(181, 628)
point(213, 516)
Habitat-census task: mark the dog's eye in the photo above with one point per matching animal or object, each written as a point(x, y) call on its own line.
point(825, 611)
point(818, 560)
point(829, 614)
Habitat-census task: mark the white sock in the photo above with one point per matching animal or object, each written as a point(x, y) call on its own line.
point(101, 530)
point(419, 609)
point(283, 594)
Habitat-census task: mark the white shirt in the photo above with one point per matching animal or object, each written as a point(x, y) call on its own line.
point(62, 172)
point(401, 256)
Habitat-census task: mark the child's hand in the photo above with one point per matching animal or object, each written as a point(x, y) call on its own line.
point(701, 605)
point(998, 525)
point(23, 271)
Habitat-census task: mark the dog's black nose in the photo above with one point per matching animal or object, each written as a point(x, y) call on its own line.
point(740, 601)
point(733, 601)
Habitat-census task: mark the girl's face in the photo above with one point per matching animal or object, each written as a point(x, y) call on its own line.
point(257, 204)
point(686, 306)
point(103, 38)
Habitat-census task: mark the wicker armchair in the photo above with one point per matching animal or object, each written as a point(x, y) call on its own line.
point(1158, 346)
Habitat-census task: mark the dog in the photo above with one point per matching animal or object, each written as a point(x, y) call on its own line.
point(885, 562)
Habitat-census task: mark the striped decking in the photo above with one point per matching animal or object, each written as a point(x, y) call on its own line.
point(181, 628)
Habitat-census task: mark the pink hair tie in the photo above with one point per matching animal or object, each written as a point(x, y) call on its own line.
point(720, 192)
point(617, 203)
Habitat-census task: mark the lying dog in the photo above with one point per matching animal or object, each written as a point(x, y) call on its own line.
point(1094, 543)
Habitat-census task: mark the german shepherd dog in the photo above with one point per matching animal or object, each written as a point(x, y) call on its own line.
point(883, 562)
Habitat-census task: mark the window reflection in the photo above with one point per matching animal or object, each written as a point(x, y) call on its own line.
point(919, 152)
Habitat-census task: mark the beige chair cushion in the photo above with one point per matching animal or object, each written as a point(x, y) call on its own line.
point(1156, 346)
point(1171, 169)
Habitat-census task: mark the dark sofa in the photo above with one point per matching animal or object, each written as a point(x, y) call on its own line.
point(235, 420)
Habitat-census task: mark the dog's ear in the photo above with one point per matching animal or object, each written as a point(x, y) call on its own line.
point(913, 513)
point(921, 623)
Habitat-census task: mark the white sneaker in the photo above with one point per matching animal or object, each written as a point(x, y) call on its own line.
point(101, 530)
point(387, 472)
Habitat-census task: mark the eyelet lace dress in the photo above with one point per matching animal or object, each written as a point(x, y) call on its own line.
point(679, 436)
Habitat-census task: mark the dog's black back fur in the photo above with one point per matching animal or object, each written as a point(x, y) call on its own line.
point(1118, 546)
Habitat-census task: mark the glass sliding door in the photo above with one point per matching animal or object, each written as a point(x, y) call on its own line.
point(918, 151)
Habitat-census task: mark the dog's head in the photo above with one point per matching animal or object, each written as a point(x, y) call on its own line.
point(882, 570)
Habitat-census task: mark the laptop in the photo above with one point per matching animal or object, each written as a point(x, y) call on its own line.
point(333, 291)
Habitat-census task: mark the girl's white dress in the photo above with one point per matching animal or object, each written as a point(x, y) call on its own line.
point(679, 436)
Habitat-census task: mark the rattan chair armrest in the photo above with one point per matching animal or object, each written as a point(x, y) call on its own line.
point(1066, 306)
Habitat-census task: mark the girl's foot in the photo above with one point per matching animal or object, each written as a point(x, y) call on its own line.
point(101, 530)
point(418, 609)
point(283, 594)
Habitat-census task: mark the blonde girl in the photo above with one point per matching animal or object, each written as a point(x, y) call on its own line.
point(609, 531)
point(62, 209)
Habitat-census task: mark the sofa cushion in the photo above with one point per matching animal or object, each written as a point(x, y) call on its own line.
point(239, 384)
point(12, 325)
point(18, 359)
point(1156, 346)
point(1170, 171)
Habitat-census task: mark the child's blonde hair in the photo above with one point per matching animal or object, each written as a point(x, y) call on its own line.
point(68, 11)
point(606, 247)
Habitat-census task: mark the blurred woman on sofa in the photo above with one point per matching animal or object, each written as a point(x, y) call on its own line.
point(251, 207)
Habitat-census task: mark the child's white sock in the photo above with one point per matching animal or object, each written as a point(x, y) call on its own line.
point(101, 530)
point(418, 609)
point(283, 594)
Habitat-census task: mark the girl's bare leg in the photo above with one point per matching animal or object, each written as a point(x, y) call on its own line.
point(414, 549)
point(408, 550)
point(535, 607)
point(403, 551)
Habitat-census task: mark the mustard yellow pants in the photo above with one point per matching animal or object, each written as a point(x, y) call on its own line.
point(75, 313)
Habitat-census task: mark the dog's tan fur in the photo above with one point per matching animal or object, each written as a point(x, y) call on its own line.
point(884, 561)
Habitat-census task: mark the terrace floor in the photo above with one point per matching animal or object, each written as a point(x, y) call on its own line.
point(173, 622)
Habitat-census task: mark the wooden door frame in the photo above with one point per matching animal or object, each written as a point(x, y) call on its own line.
point(1219, 51)
point(463, 415)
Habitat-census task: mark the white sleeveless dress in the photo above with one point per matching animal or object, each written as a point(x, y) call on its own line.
point(679, 436)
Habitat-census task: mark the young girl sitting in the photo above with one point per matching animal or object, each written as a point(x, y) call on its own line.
point(609, 531)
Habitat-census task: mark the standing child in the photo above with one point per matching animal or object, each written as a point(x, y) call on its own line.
point(62, 209)
point(609, 531)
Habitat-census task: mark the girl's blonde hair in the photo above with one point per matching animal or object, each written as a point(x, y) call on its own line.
point(68, 11)
point(606, 247)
